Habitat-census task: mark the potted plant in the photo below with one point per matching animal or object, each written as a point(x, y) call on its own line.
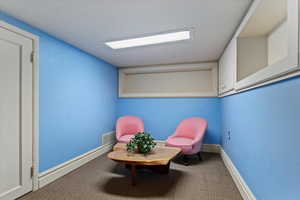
point(142, 143)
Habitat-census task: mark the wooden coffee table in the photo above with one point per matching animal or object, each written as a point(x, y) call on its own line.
point(157, 160)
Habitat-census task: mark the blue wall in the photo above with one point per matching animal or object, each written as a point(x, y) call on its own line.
point(265, 137)
point(162, 115)
point(78, 96)
point(78, 102)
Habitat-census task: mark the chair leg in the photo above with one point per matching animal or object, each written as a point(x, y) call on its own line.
point(199, 156)
point(186, 160)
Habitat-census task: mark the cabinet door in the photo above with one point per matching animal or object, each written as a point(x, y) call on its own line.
point(227, 68)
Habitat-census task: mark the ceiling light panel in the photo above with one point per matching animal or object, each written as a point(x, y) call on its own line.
point(150, 40)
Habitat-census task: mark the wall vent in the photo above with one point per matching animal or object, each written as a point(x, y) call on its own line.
point(108, 138)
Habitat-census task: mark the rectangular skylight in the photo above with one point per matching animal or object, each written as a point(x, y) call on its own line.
point(149, 40)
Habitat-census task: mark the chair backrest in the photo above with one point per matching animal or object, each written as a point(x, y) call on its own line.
point(128, 125)
point(193, 128)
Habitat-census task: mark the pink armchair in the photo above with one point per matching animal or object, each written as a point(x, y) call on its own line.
point(189, 135)
point(127, 127)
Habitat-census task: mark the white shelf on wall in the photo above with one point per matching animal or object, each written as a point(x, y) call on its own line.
point(180, 80)
point(238, 66)
point(286, 32)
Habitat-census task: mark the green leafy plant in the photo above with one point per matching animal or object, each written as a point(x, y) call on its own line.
point(142, 142)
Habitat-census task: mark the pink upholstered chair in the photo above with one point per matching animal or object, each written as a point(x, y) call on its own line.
point(127, 127)
point(189, 136)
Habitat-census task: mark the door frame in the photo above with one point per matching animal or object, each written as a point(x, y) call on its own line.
point(35, 98)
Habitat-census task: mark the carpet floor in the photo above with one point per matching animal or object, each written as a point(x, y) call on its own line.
point(103, 179)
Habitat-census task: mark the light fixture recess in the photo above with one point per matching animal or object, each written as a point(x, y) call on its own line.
point(150, 40)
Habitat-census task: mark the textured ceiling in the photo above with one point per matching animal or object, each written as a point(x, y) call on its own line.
point(88, 24)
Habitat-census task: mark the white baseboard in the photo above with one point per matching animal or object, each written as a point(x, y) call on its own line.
point(209, 148)
point(56, 172)
point(238, 179)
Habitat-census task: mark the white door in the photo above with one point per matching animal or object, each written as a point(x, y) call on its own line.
point(16, 112)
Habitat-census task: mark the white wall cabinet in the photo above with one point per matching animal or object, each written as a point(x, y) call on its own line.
point(264, 49)
point(227, 68)
point(276, 23)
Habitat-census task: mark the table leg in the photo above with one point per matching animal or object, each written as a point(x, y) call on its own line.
point(165, 168)
point(133, 174)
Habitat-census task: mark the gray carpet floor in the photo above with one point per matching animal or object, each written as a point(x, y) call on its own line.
point(103, 179)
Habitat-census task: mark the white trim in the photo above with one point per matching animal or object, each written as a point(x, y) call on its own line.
point(18, 30)
point(287, 76)
point(35, 139)
point(228, 93)
point(36, 108)
point(266, 74)
point(169, 68)
point(228, 68)
point(56, 172)
point(237, 178)
point(212, 66)
point(211, 148)
point(162, 95)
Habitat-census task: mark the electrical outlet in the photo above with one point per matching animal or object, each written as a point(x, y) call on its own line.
point(228, 135)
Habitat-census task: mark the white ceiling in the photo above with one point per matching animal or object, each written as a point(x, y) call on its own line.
point(88, 24)
point(269, 14)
